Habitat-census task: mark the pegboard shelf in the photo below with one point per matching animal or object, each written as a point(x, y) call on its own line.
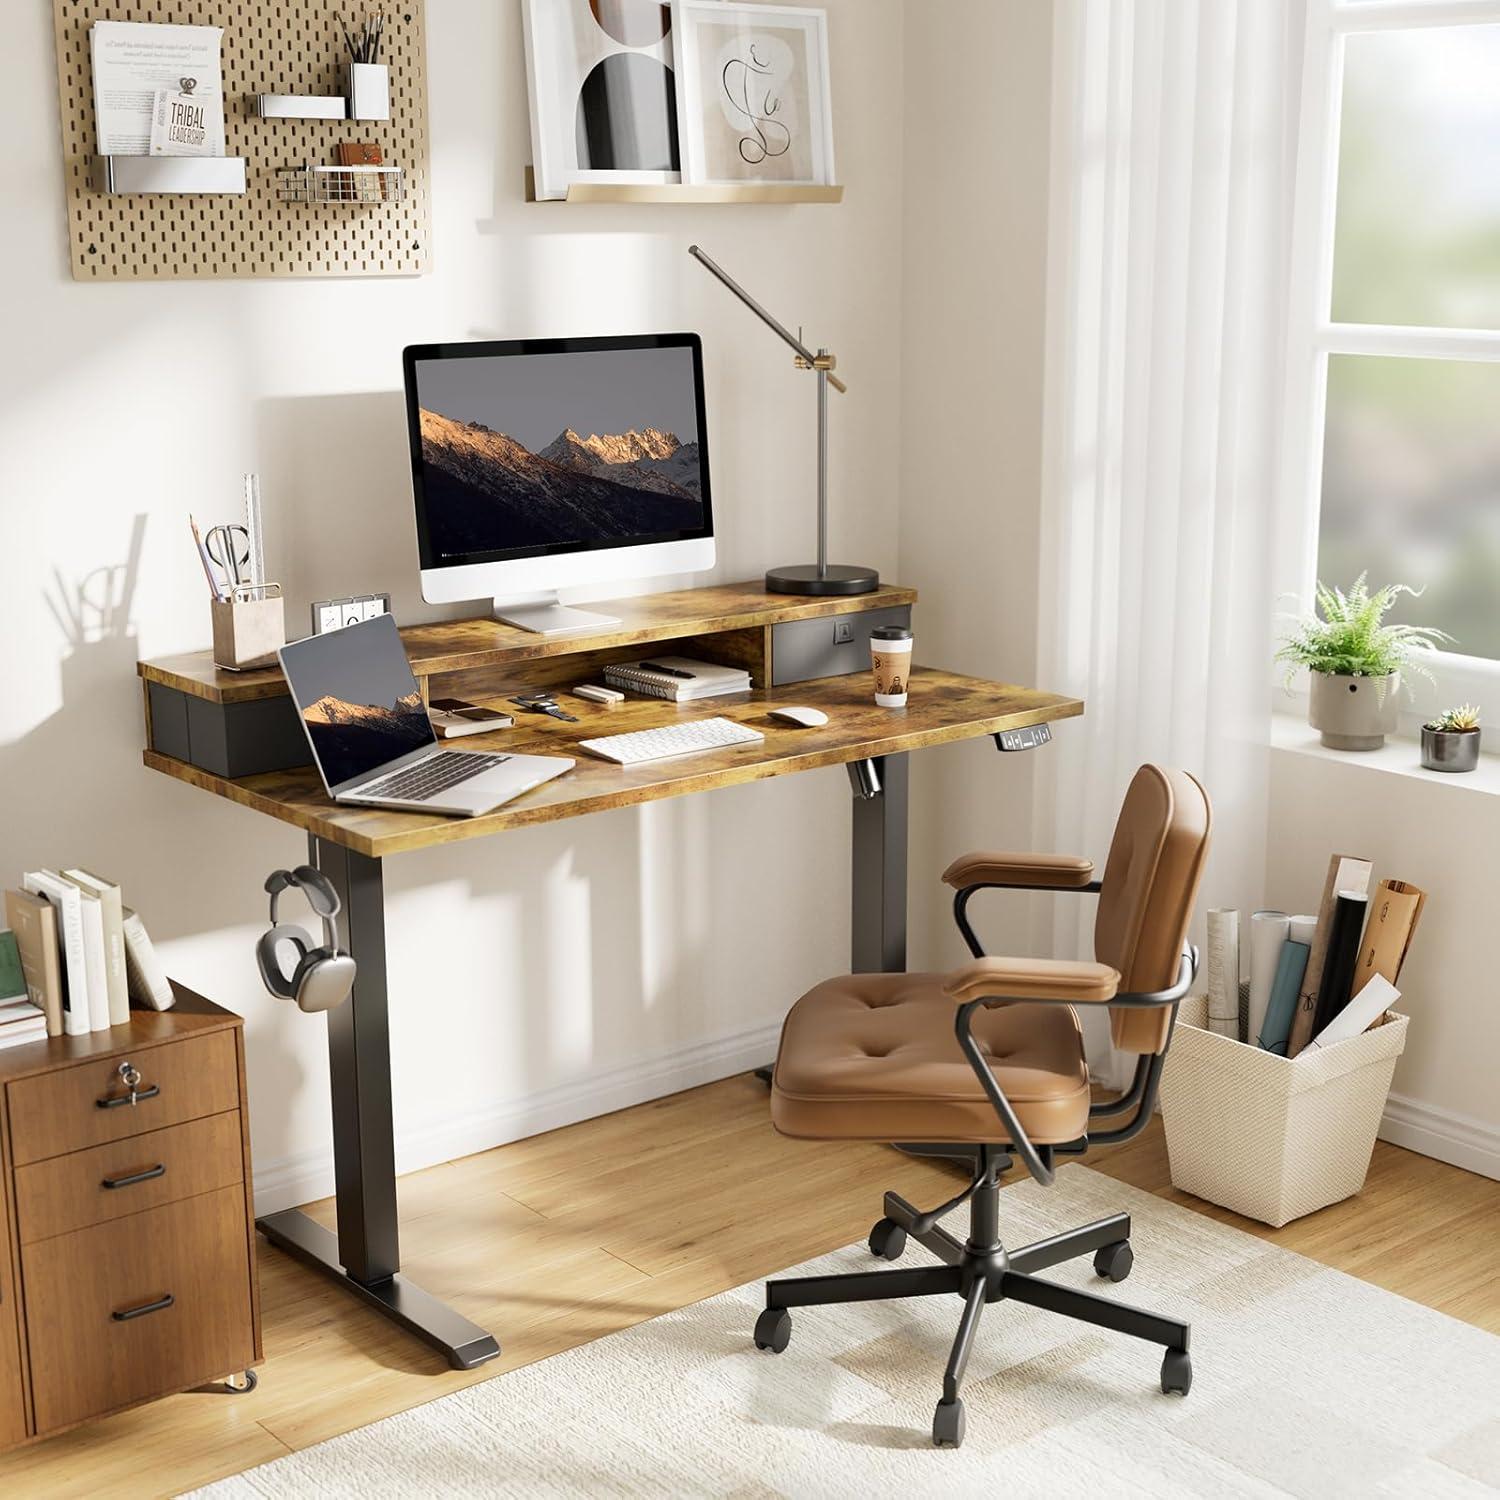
point(368, 185)
point(169, 174)
point(290, 45)
point(301, 106)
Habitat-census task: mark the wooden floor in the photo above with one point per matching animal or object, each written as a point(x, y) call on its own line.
point(557, 1240)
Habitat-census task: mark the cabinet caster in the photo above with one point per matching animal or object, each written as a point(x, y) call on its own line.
point(773, 1329)
point(1176, 1373)
point(1113, 1262)
point(233, 1387)
point(948, 1424)
point(887, 1240)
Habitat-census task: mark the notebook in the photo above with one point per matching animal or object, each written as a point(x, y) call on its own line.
point(685, 682)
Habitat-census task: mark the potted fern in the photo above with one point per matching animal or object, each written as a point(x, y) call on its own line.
point(1450, 742)
point(1355, 660)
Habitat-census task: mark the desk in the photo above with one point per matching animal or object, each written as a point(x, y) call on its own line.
point(477, 659)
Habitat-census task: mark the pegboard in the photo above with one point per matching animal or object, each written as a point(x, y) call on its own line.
point(270, 47)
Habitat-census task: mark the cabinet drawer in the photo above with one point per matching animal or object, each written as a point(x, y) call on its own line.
point(59, 1112)
point(72, 1192)
point(85, 1359)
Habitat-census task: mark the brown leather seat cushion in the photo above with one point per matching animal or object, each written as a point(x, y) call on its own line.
point(873, 1057)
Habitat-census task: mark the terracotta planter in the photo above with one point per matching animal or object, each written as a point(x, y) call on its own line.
point(1353, 713)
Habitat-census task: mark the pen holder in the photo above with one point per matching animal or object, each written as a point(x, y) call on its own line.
point(369, 90)
point(248, 631)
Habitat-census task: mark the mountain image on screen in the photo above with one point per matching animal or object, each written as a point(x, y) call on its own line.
point(485, 491)
point(353, 739)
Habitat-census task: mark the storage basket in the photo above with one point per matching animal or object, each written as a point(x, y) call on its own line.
point(1271, 1137)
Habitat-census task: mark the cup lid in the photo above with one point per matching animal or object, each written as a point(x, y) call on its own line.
point(890, 633)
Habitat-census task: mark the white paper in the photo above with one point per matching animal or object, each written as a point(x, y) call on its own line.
point(1224, 972)
point(1301, 929)
point(1367, 1007)
point(132, 60)
point(1268, 934)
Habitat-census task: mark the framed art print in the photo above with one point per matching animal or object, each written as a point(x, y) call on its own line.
point(753, 101)
point(603, 101)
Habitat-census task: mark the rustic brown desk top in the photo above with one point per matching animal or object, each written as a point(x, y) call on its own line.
point(464, 645)
point(943, 707)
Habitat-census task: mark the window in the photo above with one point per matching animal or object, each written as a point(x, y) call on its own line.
point(1393, 417)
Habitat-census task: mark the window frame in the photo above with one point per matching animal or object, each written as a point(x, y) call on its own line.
point(1313, 337)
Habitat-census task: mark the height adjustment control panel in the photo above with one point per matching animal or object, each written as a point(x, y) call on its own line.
point(1030, 737)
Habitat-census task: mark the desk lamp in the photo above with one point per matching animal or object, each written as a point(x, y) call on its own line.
point(821, 577)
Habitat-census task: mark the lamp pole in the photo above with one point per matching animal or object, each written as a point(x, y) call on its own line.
point(821, 577)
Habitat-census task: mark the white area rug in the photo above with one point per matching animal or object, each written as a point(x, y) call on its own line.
point(1307, 1382)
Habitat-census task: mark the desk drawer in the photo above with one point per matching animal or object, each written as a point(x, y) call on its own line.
point(85, 1360)
point(54, 1113)
point(829, 646)
point(161, 1166)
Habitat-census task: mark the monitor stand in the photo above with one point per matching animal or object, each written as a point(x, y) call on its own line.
point(544, 615)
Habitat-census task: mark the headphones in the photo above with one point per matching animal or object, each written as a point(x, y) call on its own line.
point(323, 977)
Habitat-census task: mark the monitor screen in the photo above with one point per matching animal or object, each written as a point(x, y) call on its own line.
point(360, 703)
point(545, 446)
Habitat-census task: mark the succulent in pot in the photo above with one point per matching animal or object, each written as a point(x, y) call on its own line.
point(1356, 660)
point(1450, 742)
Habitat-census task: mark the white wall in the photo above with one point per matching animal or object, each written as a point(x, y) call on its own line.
point(554, 972)
point(978, 96)
point(1442, 833)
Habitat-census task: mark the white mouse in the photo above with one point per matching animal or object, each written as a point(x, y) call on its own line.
point(806, 718)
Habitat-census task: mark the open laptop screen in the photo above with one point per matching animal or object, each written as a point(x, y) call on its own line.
point(358, 699)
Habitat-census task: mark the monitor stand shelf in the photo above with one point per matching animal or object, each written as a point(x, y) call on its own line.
point(237, 724)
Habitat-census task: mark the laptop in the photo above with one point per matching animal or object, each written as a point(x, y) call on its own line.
point(364, 718)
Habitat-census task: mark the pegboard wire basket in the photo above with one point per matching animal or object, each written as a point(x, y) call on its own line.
point(310, 184)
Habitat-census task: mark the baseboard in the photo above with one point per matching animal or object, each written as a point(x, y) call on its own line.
point(1457, 1139)
point(308, 1175)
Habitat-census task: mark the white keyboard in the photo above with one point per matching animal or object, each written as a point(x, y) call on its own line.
point(688, 738)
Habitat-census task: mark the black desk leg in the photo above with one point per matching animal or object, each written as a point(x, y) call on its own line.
point(878, 933)
point(365, 1255)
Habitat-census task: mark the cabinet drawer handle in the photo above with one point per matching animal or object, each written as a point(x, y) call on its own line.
point(135, 1098)
point(159, 1170)
point(145, 1307)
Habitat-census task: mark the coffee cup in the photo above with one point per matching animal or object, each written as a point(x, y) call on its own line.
point(890, 655)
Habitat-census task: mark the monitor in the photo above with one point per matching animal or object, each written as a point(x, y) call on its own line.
point(541, 464)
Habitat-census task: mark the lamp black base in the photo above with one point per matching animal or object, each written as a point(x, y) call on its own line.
point(836, 578)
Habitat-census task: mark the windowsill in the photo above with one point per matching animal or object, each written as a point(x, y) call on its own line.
point(1397, 757)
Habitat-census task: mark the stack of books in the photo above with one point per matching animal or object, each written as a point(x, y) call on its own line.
point(83, 958)
point(680, 679)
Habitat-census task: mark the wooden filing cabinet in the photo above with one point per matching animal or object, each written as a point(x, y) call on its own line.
point(127, 1233)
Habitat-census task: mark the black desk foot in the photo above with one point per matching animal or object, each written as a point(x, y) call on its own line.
point(462, 1343)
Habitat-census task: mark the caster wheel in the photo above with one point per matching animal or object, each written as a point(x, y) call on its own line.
point(1113, 1262)
point(887, 1240)
point(948, 1424)
point(1176, 1373)
point(232, 1387)
point(773, 1329)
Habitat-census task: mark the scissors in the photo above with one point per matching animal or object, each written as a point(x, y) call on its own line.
point(228, 549)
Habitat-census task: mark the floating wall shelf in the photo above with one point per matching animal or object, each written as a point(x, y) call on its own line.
point(169, 174)
point(683, 192)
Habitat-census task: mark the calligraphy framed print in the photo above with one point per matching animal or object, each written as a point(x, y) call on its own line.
point(753, 99)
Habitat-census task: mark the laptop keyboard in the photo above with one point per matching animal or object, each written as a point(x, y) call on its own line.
point(423, 781)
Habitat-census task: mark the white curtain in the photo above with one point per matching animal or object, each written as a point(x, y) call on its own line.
point(1172, 166)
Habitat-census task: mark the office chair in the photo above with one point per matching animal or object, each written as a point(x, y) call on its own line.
point(990, 1057)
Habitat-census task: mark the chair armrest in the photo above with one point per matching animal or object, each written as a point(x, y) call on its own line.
point(1065, 980)
point(1058, 872)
